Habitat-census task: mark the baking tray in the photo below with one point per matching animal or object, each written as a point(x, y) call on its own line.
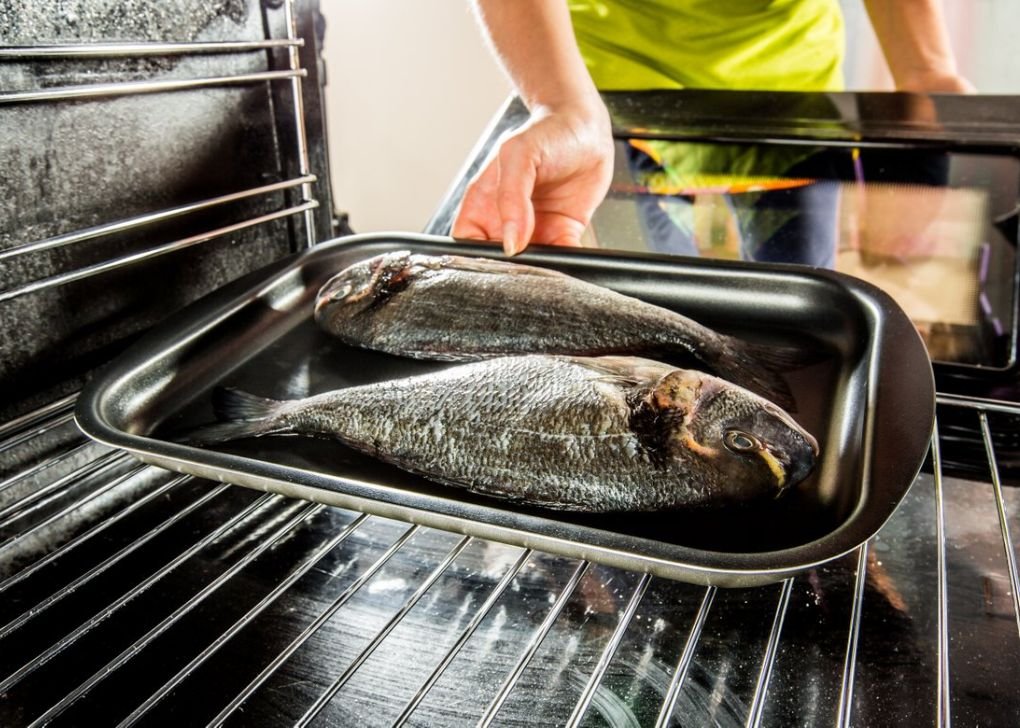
point(868, 397)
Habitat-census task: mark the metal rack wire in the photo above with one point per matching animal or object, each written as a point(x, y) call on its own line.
point(103, 51)
point(279, 520)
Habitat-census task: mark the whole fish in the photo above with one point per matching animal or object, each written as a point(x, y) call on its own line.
point(588, 434)
point(457, 308)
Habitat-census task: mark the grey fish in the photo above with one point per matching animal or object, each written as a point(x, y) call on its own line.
point(457, 308)
point(588, 434)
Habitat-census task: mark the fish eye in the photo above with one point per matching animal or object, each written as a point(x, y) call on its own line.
point(341, 292)
point(739, 442)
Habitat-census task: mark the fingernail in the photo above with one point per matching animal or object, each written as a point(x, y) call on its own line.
point(510, 242)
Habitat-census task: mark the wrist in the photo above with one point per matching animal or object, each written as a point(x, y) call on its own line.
point(935, 81)
point(586, 113)
point(575, 96)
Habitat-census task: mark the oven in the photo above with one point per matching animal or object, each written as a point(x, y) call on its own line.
point(155, 156)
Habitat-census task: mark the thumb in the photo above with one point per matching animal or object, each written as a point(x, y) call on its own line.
point(517, 173)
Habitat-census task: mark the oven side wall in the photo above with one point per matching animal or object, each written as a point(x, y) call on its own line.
point(94, 141)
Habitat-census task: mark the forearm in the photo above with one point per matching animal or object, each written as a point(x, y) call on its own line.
point(534, 41)
point(545, 178)
point(915, 44)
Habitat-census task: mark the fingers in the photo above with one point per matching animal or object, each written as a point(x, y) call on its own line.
point(544, 183)
point(478, 215)
point(497, 203)
point(517, 173)
point(559, 230)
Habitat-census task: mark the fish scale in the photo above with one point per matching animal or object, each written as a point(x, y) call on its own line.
point(455, 308)
point(553, 431)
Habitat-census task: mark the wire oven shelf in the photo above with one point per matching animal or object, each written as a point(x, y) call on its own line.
point(302, 613)
point(100, 51)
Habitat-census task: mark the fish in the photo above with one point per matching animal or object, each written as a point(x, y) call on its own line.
point(459, 308)
point(591, 434)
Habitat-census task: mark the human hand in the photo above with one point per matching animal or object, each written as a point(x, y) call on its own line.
point(544, 181)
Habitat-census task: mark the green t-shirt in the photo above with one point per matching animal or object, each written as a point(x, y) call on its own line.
point(772, 45)
point(775, 45)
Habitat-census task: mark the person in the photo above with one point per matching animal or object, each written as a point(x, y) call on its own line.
point(545, 179)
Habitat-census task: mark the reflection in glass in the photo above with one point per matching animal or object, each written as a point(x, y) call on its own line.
point(930, 227)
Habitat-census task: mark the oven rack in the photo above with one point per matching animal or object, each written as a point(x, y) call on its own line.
point(294, 114)
point(318, 615)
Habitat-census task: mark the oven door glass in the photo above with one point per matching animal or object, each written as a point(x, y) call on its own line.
point(933, 227)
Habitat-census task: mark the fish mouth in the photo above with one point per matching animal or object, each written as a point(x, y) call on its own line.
point(776, 466)
point(792, 470)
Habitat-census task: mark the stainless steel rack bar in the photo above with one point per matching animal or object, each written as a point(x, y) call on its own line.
point(482, 612)
point(853, 640)
point(302, 569)
point(149, 218)
point(1000, 506)
point(300, 133)
point(54, 649)
point(29, 420)
point(43, 465)
point(607, 654)
point(110, 561)
point(312, 628)
point(36, 428)
point(754, 716)
point(87, 471)
point(533, 645)
point(976, 403)
point(113, 264)
point(686, 656)
point(99, 528)
point(943, 709)
point(121, 659)
point(127, 49)
point(323, 700)
point(131, 88)
point(39, 497)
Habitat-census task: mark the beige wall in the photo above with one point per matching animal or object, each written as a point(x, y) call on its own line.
point(411, 85)
point(981, 33)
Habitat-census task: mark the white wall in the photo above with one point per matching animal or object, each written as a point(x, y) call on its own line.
point(411, 86)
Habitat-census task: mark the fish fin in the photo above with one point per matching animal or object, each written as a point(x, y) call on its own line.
point(241, 415)
point(618, 380)
point(232, 404)
point(760, 368)
point(623, 370)
point(498, 267)
point(784, 358)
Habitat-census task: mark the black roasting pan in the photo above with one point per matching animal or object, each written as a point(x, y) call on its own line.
point(868, 396)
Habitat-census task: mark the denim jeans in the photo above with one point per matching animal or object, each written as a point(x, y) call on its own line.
point(795, 225)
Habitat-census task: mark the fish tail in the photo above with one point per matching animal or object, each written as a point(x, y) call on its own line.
point(233, 404)
point(760, 368)
point(241, 415)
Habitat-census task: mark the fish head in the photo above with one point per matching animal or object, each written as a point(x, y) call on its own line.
point(752, 447)
point(361, 286)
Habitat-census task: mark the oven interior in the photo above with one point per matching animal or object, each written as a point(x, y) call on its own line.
point(152, 156)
